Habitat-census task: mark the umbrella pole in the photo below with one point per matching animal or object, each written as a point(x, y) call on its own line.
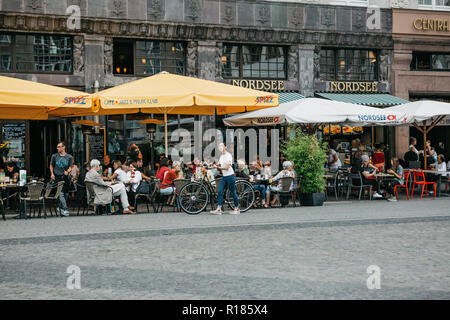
point(165, 134)
point(424, 145)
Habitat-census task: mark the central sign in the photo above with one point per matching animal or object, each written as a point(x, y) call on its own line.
point(272, 85)
point(344, 86)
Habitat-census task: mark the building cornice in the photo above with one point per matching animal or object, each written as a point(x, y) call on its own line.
point(21, 22)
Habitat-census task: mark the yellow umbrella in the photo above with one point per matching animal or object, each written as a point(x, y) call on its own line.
point(167, 93)
point(23, 99)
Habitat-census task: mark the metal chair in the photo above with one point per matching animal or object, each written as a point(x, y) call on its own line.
point(142, 193)
point(34, 196)
point(419, 179)
point(332, 184)
point(2, 209)
point(51, 195)
point(352, 185)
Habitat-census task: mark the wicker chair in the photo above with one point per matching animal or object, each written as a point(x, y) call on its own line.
point(285, 189)
point(145, 195)
point(51, 195)
point(34, 196)
point(90, 192)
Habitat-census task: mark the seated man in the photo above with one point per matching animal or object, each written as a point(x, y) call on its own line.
point(118, 188)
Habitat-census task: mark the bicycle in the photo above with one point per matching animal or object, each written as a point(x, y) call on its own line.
point(194, 196)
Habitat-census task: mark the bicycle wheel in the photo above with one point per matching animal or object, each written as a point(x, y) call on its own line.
point(245, 193)
point(193, 198)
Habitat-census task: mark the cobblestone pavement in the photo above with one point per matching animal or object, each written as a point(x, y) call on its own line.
point(289, 253)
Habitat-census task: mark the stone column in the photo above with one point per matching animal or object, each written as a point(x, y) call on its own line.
point(401, 62)
point(306, 70)
point(206, 69)
point(94, 61)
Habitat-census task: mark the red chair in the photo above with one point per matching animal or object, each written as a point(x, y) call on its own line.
point(419, 179)
point(406, 173)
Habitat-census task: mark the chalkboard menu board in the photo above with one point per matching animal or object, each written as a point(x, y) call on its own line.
point(13, 131)
point(96, 143)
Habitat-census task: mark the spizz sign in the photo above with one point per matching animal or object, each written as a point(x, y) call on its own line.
point(75, 100)
point(266, 99)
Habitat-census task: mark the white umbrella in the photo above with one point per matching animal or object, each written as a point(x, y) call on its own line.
point(423, 111)
point(318, 111)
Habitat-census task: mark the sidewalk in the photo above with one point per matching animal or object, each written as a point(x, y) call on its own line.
point(336, 212)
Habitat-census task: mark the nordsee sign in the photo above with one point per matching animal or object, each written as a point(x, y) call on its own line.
point(377, 117)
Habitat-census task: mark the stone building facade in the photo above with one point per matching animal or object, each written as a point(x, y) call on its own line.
point(303, 29)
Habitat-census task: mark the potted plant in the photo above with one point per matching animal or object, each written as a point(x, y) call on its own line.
point(308, 155)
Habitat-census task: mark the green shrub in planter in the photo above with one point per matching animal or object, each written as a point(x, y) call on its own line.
point(309, 156)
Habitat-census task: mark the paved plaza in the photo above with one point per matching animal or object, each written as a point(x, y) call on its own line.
point(288, 253)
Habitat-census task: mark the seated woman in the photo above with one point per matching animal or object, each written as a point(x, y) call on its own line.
point(167, 187)
point(441, 169)
point(12, 171)
point(397, 171)
point(163, 167)
point(368, 172)
point(286, 172)
point(241, 173)
point(134, 178)
point(119, 173)
point(378, 157)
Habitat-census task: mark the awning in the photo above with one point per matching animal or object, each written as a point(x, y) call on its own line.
point(284, 97)
point(367, 99)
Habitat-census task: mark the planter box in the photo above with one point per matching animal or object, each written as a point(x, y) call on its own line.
point(312, 199)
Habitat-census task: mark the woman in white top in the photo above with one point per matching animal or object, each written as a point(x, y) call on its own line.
point(228, 179)
point(119, 174)
point(133, 179)
point(333, 159)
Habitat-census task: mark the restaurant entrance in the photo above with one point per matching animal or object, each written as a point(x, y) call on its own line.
point(44, 136)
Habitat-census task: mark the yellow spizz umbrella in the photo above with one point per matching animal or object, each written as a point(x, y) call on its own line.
point(166, 93)
point(23, 99)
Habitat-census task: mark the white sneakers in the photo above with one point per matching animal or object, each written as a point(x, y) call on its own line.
point(393, 198)
point(219, 211)
point(376, 195)
point(64, 213)
point(235, 211)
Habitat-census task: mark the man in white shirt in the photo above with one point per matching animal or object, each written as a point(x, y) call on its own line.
point(228, 179)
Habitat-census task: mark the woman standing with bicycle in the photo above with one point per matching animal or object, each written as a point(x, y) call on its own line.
point(228, 179)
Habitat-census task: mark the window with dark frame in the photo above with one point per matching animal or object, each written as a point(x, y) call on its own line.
point(153, 57)
point(430, 61)
point(254, 61)
point(348, 64)
point(36, 53)
point(123, 57)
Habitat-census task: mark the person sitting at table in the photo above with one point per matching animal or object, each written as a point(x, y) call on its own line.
point(163, 167)
point(378, 157)
point(399, 178)
point(167, 186)
point(441, 169)
point(368, 172)
point(134, 178)
point(267, 170)
point(107, 165)
point(208, 173)
point(118, 188)
point(119, 173)
point(431, 157)
point(333, 159)
point(12, 171)
point(294, 186)
point(286, 172)
point(257, 161)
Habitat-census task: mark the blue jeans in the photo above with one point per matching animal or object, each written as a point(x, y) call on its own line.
point(230, 182)
point(262, 190)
